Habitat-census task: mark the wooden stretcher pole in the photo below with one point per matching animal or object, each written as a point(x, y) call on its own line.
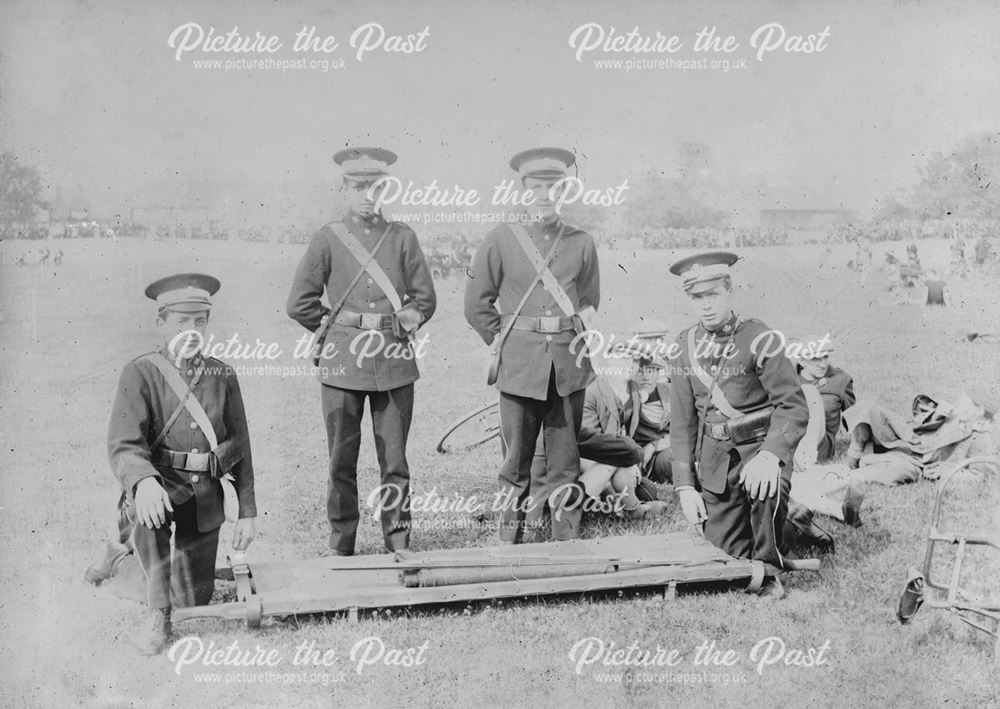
point(424, 578)
point(414, 563)
point(471, 572)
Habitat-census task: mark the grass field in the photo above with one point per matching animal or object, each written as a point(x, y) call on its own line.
point(67, 332)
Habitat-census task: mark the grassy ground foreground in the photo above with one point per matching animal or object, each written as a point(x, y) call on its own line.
point(66, 334)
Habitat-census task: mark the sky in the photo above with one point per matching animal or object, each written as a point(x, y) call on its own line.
point(93, 95)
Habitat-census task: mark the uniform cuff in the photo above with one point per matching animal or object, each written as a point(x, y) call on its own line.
point(248, 505)
point(682, 473)
point(134, 475)
point(779, 450)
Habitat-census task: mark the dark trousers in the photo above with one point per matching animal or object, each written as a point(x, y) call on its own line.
point(187, 579)
point(745, 528)
point(660, 468)
point(522, 497)
point(391, 413)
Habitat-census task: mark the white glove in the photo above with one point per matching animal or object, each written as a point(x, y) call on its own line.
point(588, 317)
point(409, 319)
point(693, 507)
point(759, 476)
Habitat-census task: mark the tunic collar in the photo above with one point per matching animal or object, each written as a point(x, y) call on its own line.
point(726, 329)
point(355, 218)
point(184, 363)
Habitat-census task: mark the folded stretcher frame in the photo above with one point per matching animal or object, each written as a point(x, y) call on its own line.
point(353, 584)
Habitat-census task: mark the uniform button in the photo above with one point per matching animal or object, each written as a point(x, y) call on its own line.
point(194, 450)
point(368, 231)
point(371, 305)
point(355, 220)
point(548, 312)
point(195, 478)
point(190, 372)
point(193, 425)
point(370, 281)
point(548, 338)
point(546, 237)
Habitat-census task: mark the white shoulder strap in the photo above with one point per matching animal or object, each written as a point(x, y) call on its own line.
point(368, 262)
point(191, 403)
point(808, 449)
point(714, 390)
point(549, 280)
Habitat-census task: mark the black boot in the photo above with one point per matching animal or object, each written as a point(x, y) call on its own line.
point(854, 496)
point(154, 634)
point(802, 530)
point(102, 570)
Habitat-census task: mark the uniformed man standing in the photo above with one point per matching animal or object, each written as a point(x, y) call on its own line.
point(177, 436)
point(737, 414)
point(544, 277)
point(380, 291)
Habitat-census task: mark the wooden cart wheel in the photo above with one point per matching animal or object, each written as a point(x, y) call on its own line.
point(471, 430)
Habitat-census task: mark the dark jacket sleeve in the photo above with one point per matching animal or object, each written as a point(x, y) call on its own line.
point(128, 430)
point(683, 418)
point(595, 444)
point(305, 304)
point(420, 292)
point(790, 412)
point(482, 289)
point(849, 399)
point(237, 431)
point(588, 282)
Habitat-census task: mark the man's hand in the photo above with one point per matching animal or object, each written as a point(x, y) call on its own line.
point(693, 507)
point(759, 476)
point(409, 319)
point(246, 530)
point(588, 316)
point(151, 503)
point(647, 453)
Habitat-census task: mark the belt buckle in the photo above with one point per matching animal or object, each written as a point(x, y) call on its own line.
point(371, 321)
point(197, 462)
point(549, 325)
point(720, 431)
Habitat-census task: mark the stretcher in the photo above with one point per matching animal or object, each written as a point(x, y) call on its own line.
point(406, 579)
point(923, 587)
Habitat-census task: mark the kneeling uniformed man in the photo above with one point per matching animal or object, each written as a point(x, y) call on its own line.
point(544, 275)
point(178, 436)
point(380, 291)
point(737, 414)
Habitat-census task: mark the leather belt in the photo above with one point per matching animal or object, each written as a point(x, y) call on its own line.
point(718, 431)
point(182, 460)
point(722, 432)
point(547, 325)
point(364, 321)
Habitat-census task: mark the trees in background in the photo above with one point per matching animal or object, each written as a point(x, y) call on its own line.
point(20, 191)
point(682, 200)
point(962, 183)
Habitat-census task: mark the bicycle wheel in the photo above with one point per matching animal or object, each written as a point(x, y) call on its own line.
point(473, 429)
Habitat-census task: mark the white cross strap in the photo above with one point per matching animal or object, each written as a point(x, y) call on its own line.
point(191, 403)
point(368, 262)
point(231, 503)
point(549, 280)
point(714, 390)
